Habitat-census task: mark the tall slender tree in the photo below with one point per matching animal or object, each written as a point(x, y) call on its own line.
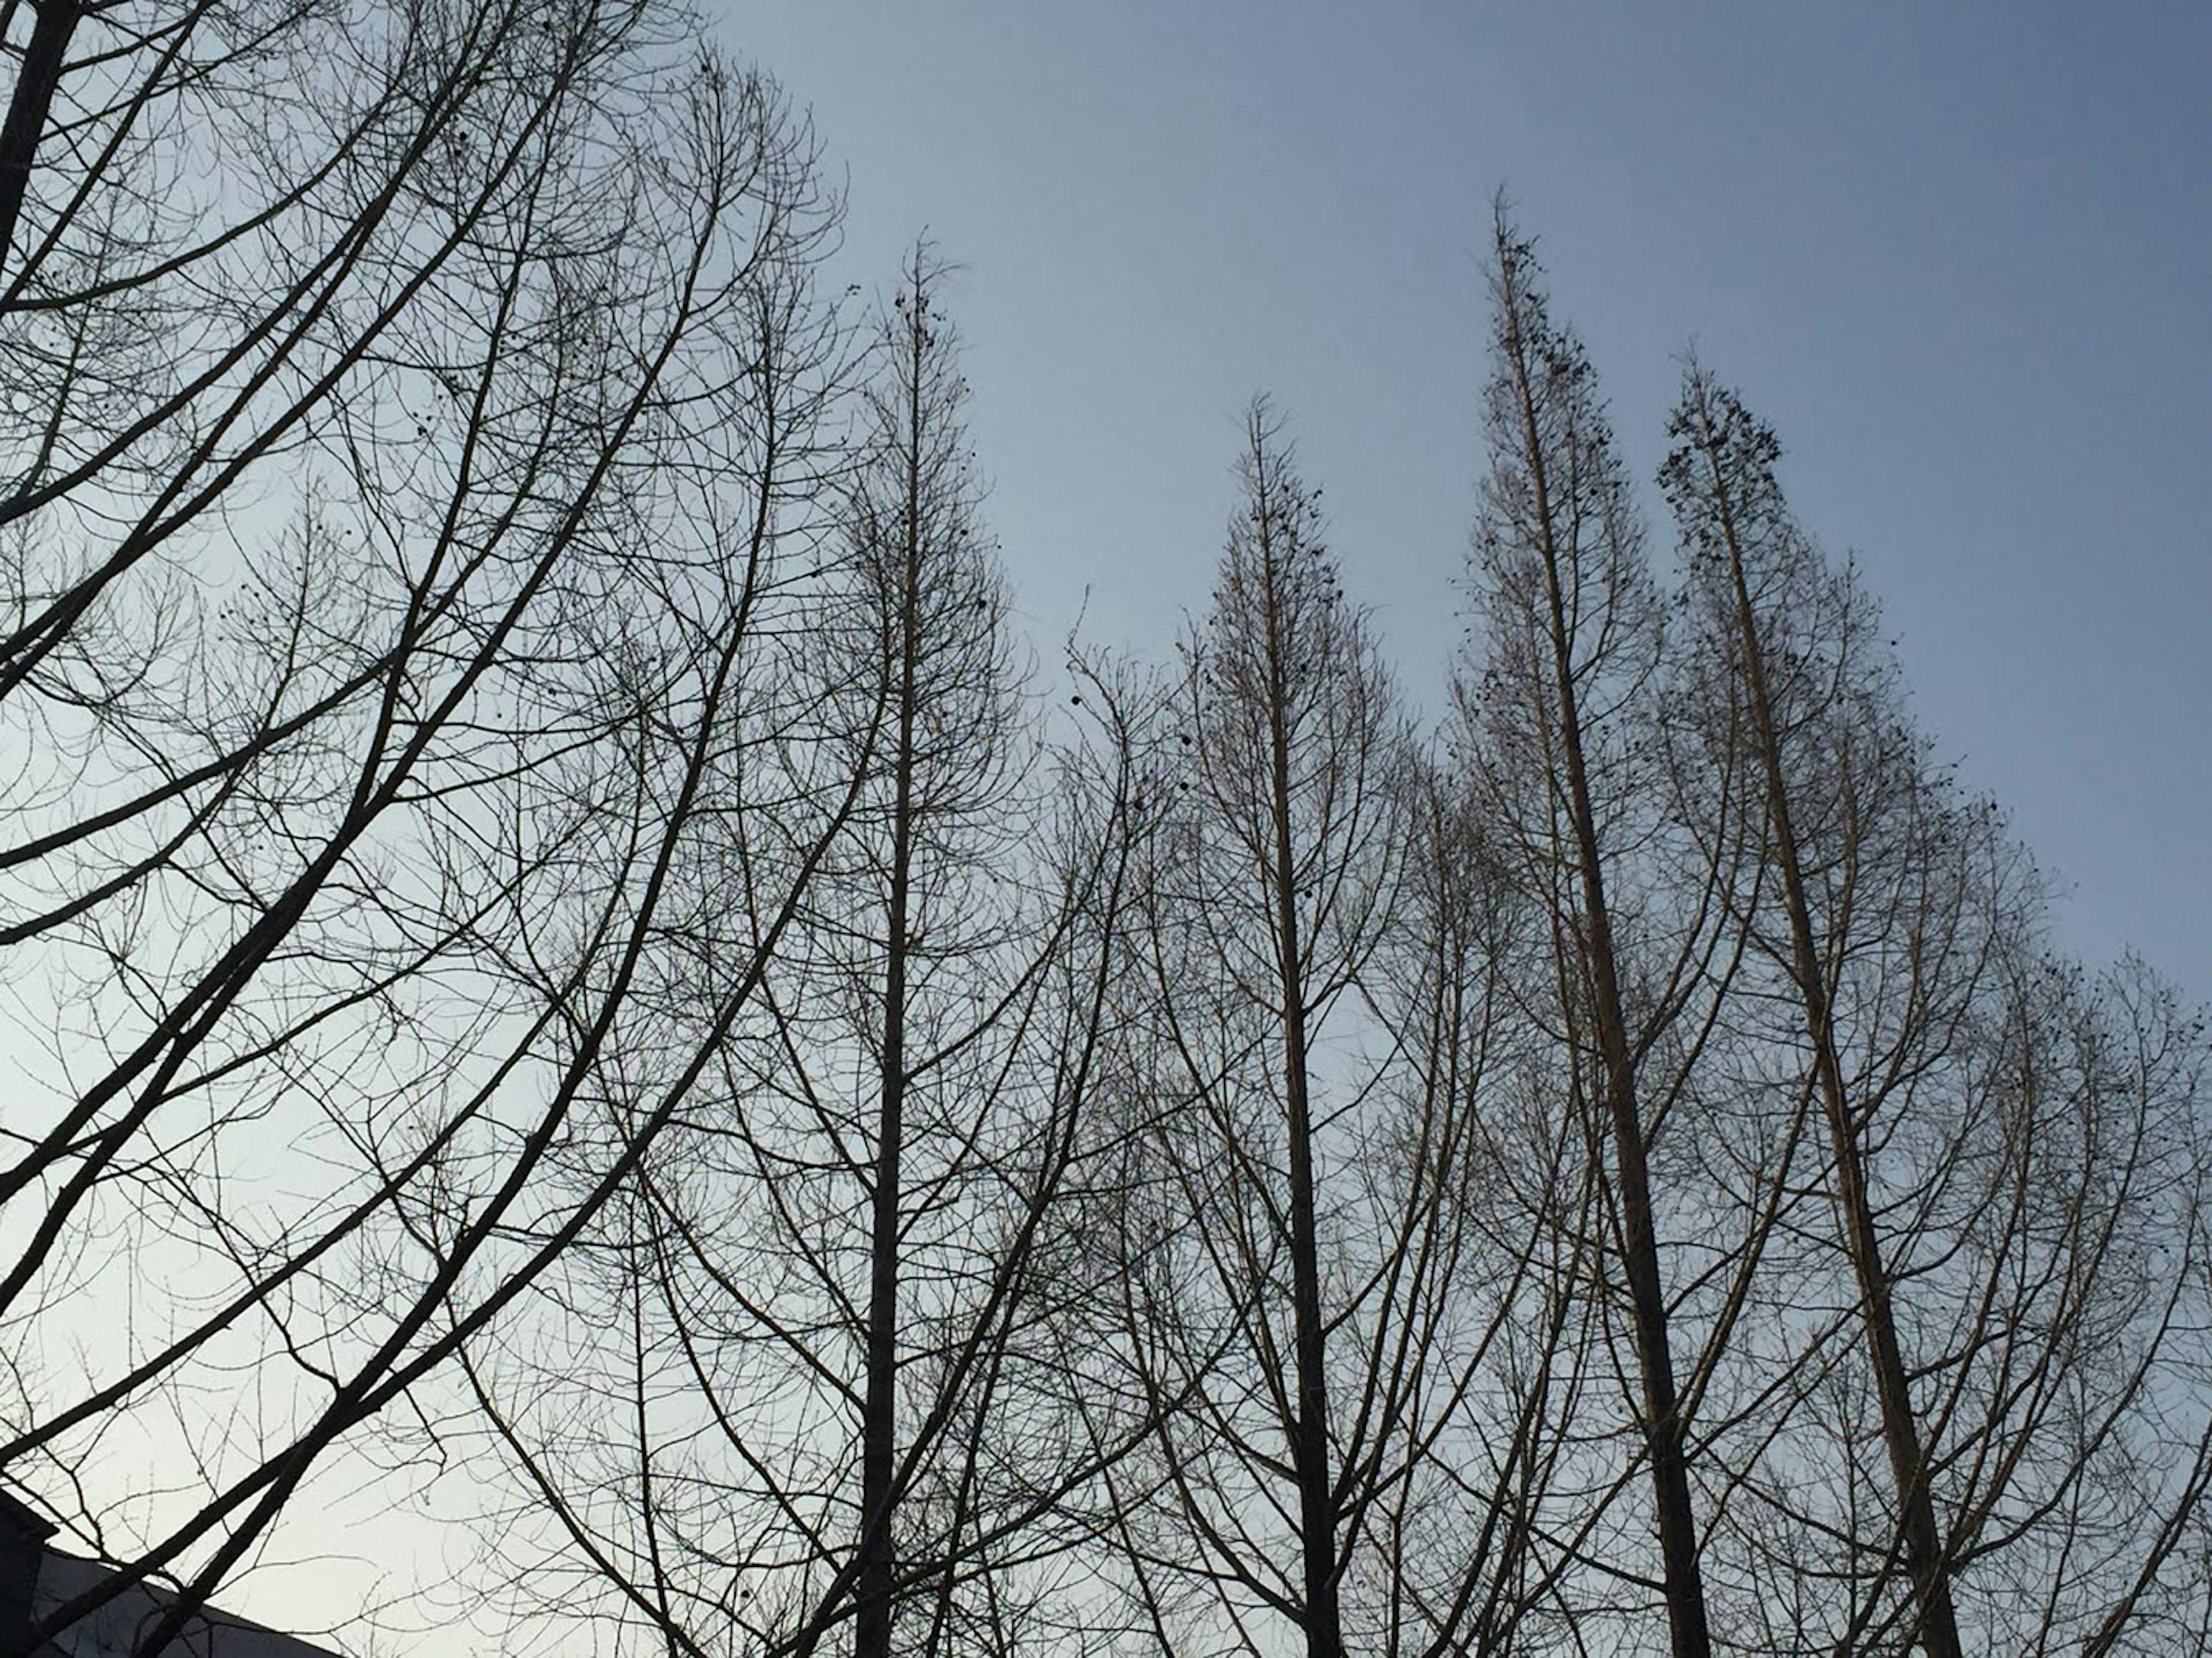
point(1722, 485)
point(828, 1329)
point(1984, 1163)
point(1556, 726)
point(942, 658)
point(1272, 879)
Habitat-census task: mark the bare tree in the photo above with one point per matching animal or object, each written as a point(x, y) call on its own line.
point(407, 412)
point(1272, 876)
point(1559, 727)
point(1986, 1162)
point(822, 1325)
point(1722, 493)
point(940, 654)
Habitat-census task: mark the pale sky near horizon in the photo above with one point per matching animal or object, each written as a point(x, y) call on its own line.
point(1961, 257)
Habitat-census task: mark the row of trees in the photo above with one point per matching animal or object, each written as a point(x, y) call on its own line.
point(554, 933)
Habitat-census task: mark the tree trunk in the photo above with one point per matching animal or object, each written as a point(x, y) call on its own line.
point(873, 1624)
point(36, 82)
point(1311, 1451)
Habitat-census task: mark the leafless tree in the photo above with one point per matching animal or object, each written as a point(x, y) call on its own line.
point(1558, 725)
point(1291, 1222)
point(409, 418)
point(1996, 1179)
point(814, 1383)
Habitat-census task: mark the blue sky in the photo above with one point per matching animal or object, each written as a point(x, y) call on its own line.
point(1960, 255)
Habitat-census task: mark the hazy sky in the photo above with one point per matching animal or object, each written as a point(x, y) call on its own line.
point(1960, 255)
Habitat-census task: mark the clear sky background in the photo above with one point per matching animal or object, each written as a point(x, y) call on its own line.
point(1961, 256)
